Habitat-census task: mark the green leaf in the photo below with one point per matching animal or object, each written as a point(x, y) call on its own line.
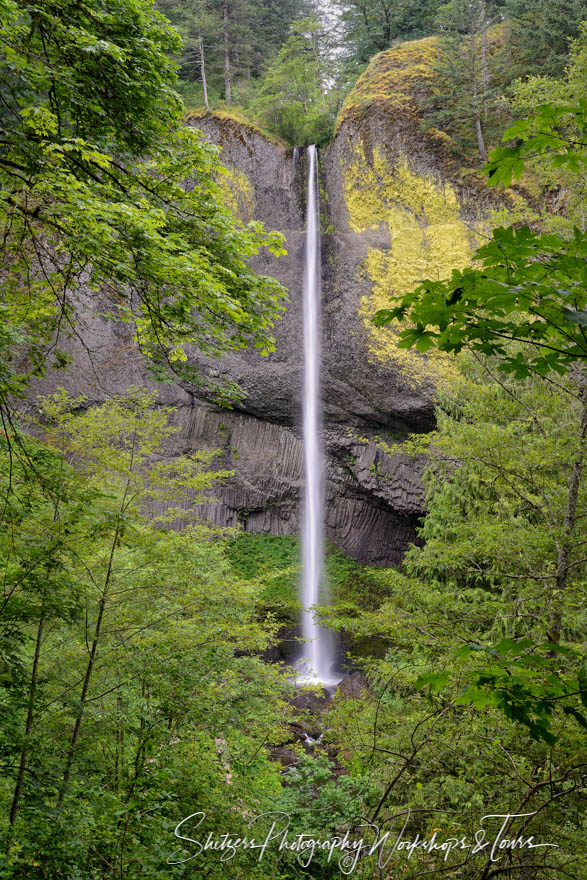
point(436, 681)
point(582, 682)
point(575, 316)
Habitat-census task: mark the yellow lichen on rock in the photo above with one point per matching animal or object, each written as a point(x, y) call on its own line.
point(238, 193)
point(427, 239)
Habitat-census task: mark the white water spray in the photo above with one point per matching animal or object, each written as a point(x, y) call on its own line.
point(318, 651)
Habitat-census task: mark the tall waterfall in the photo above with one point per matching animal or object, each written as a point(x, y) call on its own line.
point(318, 651)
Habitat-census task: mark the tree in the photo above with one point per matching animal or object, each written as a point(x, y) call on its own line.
point(469, 699)
point(540, 34)
point(127, 639)
point(372, 25)
point(238, 38)
point(93, 164)
point(198, 25)
point(564, 191)
point(297, 97)
point(526, 306)
point(470, 69)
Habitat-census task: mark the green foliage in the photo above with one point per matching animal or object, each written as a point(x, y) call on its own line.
point(274, 564)
point(486, 632)
point(93, 167)
point(473, 701)
point(252, 34)
point(549, 130)
point(558, 192)
point(499, 516)
point(471, 71)
point(541, 31)
point(371, 27)
point(131, 686)
point(321, 804)
point(295, 98)
point(130, 677)
point(531, 288)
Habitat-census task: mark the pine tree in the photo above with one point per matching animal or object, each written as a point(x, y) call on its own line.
point(470, 71)
point(373, 25)
point(296, 97)
point(228, 43)
point(541, 31)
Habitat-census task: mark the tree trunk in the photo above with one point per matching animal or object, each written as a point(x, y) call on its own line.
point(227, 94)
point(480, 141)
point(27, 732)
point(203, 72)
point(484, 63)
point(478, 129)
point(89, 668)
point(565, 545)
point(386, 24)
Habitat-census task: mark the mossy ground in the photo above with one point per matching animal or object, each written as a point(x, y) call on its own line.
point(392, 80)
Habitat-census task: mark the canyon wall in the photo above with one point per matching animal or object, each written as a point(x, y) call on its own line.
point(394, 209)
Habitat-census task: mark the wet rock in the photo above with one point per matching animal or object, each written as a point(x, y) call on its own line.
point(374, 499)
point(286, 757)
point(353, 685)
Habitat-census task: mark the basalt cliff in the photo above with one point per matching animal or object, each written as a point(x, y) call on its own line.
point(395, 208)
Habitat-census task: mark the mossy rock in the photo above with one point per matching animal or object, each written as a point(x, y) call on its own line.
point(393, 81)
point(238, 118)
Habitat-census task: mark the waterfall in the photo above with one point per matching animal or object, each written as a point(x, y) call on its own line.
point(318, 651)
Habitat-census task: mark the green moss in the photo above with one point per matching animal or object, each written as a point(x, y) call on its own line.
point(392, 80)
point(235, 115)
point(427, 240)
point(275, 562)
point(238, 193)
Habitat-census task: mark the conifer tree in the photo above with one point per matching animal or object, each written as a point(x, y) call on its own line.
point(470, 71)
point(540, 34)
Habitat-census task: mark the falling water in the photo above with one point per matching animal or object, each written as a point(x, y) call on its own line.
point(318, 651)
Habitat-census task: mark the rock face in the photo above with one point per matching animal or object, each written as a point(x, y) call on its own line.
point(388, 216)
point(373, 500)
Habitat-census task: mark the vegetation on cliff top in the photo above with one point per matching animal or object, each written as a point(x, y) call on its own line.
point(458, 73)
point(392, 81)
point(235, 115)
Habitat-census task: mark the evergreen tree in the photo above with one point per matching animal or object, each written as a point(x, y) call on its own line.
point(124, 698)
point(541, 31)
point(471, 70)
point(373, 25)
point(199, 25)
point(228, 43)
point(297, 98)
